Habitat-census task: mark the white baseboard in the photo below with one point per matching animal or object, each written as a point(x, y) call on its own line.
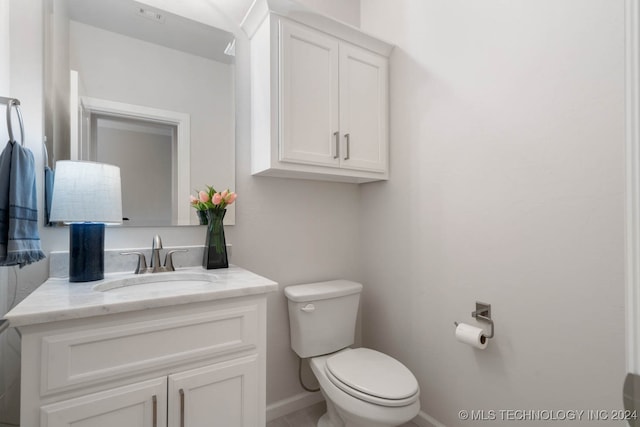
point(292, 404)
point(425, 420)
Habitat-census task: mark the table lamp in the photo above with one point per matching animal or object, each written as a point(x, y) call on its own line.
point(86, 195)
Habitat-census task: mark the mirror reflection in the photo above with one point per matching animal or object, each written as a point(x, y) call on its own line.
point(144, 89)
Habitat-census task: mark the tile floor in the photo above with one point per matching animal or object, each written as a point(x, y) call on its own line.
point(307, 417)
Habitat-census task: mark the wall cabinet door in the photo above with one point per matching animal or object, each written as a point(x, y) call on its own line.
point(224, 394)
point(363, 109)
point(309, 110)
point(333, 101)
point(142, 404)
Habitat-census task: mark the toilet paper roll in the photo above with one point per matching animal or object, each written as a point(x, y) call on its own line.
point(471, 335)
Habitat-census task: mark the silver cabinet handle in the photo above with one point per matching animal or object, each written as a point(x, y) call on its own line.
point(337, 137)
point(154, 401)
point(181, 391)
point(348, 137)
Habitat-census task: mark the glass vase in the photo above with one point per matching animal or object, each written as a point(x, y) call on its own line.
point(215, 246)
point(202, 217)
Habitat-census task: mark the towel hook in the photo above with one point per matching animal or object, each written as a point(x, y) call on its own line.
point(15, 103)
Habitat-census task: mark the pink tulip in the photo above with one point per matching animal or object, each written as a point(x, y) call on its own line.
point(193, 199)
point(204, 197)
point(224, 194)
point(217, 198)
point(231, 198)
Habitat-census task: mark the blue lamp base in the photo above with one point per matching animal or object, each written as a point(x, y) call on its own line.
point(86, 252)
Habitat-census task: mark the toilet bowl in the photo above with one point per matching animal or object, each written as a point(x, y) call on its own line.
point(349, 406)
point(362, 387)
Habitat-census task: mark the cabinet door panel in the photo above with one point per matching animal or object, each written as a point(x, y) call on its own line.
point(363, 109)
point(220, 395)
point(129, 406)
point(309, 104)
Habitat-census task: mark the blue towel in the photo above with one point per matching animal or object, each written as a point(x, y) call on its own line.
point(19, 239)
point(48, 193)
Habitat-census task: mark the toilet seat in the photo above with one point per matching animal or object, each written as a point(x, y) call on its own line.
point(373, 377)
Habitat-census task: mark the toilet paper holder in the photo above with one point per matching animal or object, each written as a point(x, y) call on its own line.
point(483, 314)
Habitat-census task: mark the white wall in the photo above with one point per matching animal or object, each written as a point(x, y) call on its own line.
point(507, 177)
point(4, 53)
point(5, 350)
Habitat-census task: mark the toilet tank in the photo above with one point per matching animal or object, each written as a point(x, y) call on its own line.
point(322, 316)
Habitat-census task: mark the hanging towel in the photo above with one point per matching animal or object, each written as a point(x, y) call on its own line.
point(19, 239)
point(48, 193)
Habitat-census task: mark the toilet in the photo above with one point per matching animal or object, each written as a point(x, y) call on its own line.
point(362, 387)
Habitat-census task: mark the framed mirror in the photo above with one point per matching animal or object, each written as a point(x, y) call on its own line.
point(145, 89)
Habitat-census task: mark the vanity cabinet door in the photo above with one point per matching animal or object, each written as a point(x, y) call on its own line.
point(309, 109)
point(363, 109)
point(142, 404)
point(223, 394)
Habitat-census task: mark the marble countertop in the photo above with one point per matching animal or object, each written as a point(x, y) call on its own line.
point(58, 299)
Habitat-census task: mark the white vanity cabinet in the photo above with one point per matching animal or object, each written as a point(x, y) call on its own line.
point(319, 100)
point(195, 364)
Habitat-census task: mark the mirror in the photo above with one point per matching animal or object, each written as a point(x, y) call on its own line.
point(148, 90)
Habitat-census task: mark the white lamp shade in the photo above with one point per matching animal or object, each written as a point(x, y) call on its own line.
point(86, 192)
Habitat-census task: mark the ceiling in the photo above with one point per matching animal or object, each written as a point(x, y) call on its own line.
point(160, 26)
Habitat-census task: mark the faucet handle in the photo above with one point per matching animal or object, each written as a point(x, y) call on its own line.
point(168, 259)
point(142, 261)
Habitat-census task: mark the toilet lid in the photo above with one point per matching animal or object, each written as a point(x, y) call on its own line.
point(372, 373)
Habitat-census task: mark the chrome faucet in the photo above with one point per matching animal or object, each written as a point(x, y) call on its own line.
point(156, 245)
point(155, 266)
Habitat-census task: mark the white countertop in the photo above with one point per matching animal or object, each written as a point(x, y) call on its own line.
point(58, 299)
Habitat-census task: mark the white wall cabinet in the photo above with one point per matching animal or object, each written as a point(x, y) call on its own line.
point(185, 366)
point(319, 101)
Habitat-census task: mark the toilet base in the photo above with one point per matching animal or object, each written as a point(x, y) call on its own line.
point(324, 421)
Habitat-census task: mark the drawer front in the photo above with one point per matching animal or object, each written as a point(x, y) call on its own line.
point(100, 354)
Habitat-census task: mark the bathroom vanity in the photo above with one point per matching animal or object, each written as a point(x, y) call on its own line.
point(167, 349)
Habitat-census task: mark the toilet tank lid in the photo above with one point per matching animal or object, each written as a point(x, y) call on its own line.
point(322, 290)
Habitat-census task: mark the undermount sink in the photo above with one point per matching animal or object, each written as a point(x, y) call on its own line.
point(156, 281)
